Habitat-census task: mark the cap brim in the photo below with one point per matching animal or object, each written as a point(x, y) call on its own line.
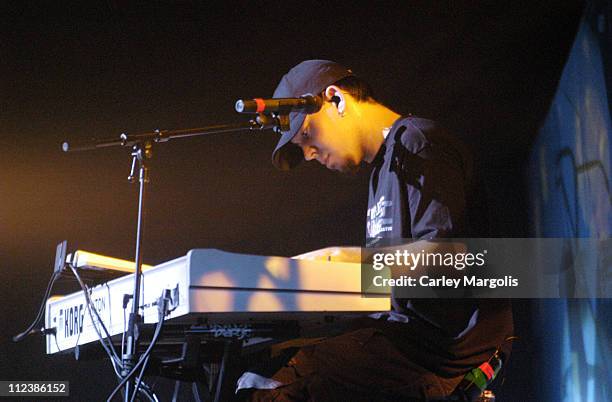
point(287, 155)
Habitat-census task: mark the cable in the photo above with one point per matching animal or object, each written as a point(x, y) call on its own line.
point(123, 335)
point(144, 388)
point(110, 350)
point(139, 379)
point(56, 344)
point(148, 391)
point(41, 310)
point(506, 359)
point(162, 307)
point(142, 359)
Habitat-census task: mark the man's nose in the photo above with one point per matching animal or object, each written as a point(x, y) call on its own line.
point(310, 153)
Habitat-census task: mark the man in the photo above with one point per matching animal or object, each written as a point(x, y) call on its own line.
point(418, 190)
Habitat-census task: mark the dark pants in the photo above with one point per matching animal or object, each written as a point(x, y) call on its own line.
point(362, 364)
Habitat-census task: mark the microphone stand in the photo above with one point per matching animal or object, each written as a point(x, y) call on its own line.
point(140, 153)
point(142, 147)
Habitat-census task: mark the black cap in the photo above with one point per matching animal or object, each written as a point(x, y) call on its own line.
point(310, 77)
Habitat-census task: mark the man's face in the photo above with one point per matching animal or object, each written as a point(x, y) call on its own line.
point(331, 139)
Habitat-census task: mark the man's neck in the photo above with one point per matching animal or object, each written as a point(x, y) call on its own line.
point(376, 118)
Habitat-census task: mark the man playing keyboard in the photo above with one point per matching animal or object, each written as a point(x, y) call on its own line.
point(419, 190)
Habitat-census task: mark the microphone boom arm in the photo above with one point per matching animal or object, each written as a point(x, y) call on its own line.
point(261, 122)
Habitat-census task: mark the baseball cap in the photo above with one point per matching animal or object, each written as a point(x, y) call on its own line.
point(310, 77)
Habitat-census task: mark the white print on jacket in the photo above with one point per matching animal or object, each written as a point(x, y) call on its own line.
point(376, 221)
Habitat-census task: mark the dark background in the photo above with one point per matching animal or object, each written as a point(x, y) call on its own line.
point(101, 68)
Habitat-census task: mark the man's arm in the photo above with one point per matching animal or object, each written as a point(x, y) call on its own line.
point(365, 255)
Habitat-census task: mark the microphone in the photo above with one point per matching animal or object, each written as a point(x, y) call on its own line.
point(307, 104)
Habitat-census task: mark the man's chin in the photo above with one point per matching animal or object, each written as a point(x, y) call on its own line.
point(348, 168)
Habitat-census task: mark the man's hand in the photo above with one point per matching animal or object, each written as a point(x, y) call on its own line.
point(334, 254)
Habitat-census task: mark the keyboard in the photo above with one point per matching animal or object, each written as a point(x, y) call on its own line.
point(229, 294)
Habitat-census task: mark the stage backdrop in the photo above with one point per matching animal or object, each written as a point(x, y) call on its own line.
point(569, 175)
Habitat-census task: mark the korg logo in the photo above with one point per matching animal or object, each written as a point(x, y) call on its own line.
point(73, 320)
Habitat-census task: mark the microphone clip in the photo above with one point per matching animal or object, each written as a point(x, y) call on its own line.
point(279, 122)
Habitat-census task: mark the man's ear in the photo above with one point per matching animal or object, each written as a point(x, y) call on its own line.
point(335, 95)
